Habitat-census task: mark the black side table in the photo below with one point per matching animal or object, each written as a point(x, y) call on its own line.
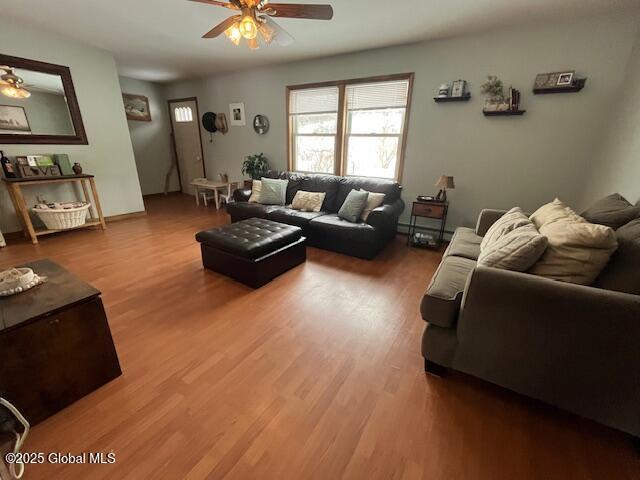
point(427, 209)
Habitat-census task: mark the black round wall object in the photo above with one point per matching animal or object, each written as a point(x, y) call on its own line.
point(261, 124)
point(209, 122)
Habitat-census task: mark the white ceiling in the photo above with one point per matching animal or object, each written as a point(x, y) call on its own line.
point(160, 39)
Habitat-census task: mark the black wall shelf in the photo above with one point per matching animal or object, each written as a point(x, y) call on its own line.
point(503, 113)
point(463, 98)
point(577, 85)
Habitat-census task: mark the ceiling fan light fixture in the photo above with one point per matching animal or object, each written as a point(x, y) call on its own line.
point(15, 92)
point(12, 84)
point(248, 27)
point(233, 33)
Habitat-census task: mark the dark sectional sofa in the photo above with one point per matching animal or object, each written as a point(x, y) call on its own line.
point(325, 229)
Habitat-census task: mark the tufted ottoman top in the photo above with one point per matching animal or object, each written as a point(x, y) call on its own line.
point(250, 238)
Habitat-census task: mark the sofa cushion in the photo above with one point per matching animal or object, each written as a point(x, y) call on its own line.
point(308, 201)
point(390, 188)
point(464, 243)
point(256, 188)
point(441, 302)
point(328, 184)
point(622, 271)
point(293, 217)
point(578, 250)
point(353, 205)
point(244, 210)
point(341, 230)
point(273, 192)
point(517, 250)
point(374, 200)
point(514, 218)
point(613, 211)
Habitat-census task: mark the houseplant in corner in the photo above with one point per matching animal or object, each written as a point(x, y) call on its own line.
point(255, 166)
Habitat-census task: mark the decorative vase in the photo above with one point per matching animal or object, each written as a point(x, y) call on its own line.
point(77, 168)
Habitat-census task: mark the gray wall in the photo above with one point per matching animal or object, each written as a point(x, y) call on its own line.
point(151, 140)
point(46, 112)
point(109, 154)
point(616, 167)
point(497, 162)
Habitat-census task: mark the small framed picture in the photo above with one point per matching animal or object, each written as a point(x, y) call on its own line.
point(13, 120)
point(565, 79)
point(458, 88)
point(136, 107)
point(236, 112)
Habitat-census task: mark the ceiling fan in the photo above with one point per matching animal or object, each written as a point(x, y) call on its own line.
point(254, 20)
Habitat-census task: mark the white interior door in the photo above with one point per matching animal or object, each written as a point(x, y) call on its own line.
point(184, 119)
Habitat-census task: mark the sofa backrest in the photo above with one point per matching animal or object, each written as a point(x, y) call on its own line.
point(337, 188)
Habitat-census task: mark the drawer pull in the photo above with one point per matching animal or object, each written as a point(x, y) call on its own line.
point(54, 321)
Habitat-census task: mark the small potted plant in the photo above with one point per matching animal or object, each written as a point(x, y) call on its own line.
point(494, 90)
point(255, 166)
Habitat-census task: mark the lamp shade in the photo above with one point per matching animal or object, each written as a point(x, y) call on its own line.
point(445, 182)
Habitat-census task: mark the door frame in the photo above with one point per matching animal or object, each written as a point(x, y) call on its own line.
point(173, 135)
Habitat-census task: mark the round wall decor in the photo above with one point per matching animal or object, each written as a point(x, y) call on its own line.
point(261, 124)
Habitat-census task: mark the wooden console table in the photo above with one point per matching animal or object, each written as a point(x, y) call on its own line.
point(14, 186)
point(55, 343)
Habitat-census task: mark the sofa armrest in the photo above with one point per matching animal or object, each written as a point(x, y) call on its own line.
point(487, 217)
point(386, 216)
point(242, 194)
point(573, 346)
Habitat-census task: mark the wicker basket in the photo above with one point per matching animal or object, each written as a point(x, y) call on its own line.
point(63, 218)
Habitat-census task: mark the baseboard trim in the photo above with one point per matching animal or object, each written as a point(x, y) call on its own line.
point(17, 235)
point(126, 216)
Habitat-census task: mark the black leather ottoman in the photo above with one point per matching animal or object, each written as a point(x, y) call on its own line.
point(252, 251)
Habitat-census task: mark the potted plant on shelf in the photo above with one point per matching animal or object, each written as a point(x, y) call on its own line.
point(255, 166)
point(494, 90)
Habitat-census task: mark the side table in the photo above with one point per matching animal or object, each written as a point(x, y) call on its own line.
point(427, 209)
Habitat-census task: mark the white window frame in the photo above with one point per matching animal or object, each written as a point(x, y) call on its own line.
point(340, 164)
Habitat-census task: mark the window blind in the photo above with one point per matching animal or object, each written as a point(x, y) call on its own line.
point(315, 100)
point(378, 95)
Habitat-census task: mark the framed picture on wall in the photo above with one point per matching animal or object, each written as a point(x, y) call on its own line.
point(13, 119)
point(236, 112)
point(136, 107)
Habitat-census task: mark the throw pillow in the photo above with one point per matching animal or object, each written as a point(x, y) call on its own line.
point(516, 250)
point(578, 250)
point(353, 205)
point(514, 218)
point(613, 211)
point(308, 201)
point(274, 192)
point(374, 200)
point(256, 188)
point(621, 273)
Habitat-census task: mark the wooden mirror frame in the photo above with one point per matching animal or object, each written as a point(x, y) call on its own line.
point(80, 136)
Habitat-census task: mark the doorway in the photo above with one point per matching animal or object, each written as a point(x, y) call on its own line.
point(187, 141)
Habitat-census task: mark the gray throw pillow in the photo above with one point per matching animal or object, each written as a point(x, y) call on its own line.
point(613, 211)
point(353, 205)
point(621, 273)
point(274, 192)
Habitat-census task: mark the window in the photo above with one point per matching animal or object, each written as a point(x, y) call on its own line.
point(314, 127)
point(353, 127)
point(183, 114)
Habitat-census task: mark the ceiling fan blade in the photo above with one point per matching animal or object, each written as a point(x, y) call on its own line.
point(217, 3)
point(297, 10)
point(221, 27)
point(280, 35)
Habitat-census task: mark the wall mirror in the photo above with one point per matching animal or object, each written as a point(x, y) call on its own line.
point(38, 103)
